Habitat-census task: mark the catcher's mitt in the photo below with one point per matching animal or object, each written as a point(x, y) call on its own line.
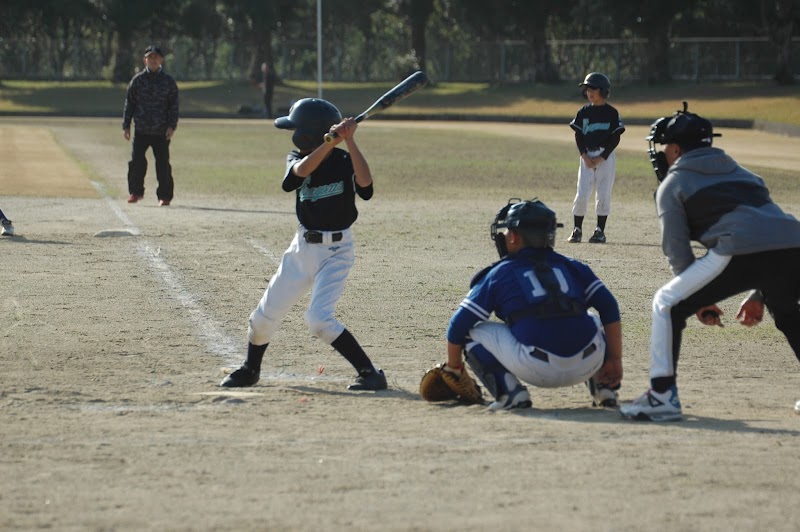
point(440, 384)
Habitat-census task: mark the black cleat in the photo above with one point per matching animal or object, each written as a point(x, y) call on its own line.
point(599, 237)
point(240, 378)
point(369, 380)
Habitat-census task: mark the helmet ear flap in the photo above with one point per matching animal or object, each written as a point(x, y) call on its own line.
point(305, 142)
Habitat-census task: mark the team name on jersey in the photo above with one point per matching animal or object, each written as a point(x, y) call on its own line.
point(597, 126)
point(312, 194)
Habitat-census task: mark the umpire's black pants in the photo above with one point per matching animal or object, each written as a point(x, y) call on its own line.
point(775, 273)
point(137, 167)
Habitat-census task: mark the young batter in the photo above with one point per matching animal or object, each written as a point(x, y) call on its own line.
point(326, 180)
point(597, 130)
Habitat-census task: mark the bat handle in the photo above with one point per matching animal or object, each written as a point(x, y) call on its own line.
point(330, 137)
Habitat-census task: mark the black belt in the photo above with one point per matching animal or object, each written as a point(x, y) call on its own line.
point(542, 355)
point(315, 237)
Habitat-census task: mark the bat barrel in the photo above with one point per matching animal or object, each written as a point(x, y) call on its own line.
point(409, 85)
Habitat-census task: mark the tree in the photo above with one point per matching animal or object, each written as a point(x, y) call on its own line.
point(128, 19)
point(200, 20)
point(417, 13)
point(655, 21)
point(353, 35)
point(517, 19)
point(779, 21)
point(253, 22)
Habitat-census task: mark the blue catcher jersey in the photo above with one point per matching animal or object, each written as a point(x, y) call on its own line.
point(513, 289)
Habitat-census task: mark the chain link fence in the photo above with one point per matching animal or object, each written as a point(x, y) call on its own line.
point(697, 59)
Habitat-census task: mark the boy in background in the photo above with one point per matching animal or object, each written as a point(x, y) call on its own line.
point(597, 130)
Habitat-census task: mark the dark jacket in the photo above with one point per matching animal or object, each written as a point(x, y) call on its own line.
point(152, 103)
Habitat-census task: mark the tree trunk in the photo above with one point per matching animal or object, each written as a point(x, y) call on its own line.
point(657, 60)
point(123, 60)
point(261, 51)
point(419, 11)
point(781, 39)
point(544, 71)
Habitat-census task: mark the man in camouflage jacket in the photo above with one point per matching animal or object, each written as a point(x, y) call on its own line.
point(152, 103)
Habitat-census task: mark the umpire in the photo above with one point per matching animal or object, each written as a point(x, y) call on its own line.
point(152, 103)
point(705, 196)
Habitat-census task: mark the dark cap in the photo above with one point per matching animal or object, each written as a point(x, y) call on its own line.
point(153, 49)
point(687, 130)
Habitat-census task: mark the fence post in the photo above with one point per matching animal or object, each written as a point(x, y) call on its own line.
point(502, 61)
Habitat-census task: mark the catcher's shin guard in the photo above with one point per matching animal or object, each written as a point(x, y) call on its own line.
point(492, 374)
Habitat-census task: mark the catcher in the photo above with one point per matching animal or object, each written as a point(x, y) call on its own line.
point(548, 337)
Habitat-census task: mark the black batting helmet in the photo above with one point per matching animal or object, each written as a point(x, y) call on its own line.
point(596, 80)
point(532, 219)
point(310, 118)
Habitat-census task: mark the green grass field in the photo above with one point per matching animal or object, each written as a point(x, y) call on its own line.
point(242, 158)
point(637, 103)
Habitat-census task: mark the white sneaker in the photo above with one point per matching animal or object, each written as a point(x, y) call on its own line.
point(518, 398)
point(602, 395)
point(797, 408)
point(6, 229)
point(654, 406)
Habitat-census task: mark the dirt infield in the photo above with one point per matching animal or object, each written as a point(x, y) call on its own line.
point(112, 349)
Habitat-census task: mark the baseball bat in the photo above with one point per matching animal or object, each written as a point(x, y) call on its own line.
point(415, 81)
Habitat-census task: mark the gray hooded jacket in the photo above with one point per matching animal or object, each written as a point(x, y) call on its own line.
point(707, 197)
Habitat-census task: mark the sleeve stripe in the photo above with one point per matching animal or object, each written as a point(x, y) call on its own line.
point(593, 288)
point(475, 309)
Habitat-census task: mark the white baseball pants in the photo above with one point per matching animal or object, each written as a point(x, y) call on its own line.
point(699, 274)
point(555, 372)
point(601, 179)
point(323, 268)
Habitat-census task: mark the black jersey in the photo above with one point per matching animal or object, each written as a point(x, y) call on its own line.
point(326, 198)
point(597, 126)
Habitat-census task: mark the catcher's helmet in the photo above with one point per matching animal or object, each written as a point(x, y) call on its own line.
point(310, 118)
point(687, 130)
point(596, 80)
point(532, 219)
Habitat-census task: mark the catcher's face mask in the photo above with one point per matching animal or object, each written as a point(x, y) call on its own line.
point(499, 228)
point(658, 158)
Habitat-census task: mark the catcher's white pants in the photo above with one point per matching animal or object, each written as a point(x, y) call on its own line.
point(323, 268)
point(556, 372)
point(700, 273)
point(601, 178)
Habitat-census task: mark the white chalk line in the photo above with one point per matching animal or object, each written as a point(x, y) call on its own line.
point(265, 251)
point(206, 329)
point(210, 332)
